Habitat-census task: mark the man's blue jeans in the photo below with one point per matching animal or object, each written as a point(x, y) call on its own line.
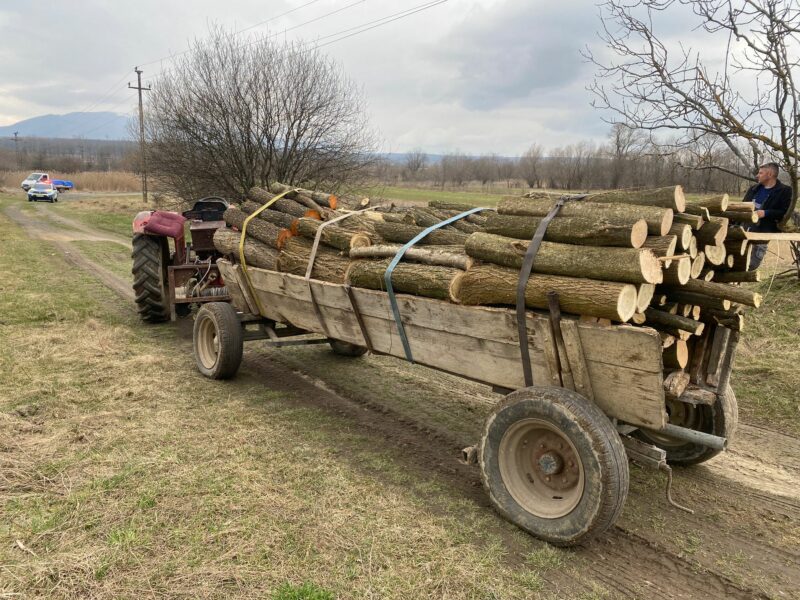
point(759, 252)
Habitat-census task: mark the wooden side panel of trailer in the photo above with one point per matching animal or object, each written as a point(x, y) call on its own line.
point(621, 365)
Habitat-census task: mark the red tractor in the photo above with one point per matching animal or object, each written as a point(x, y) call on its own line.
point(167, 281)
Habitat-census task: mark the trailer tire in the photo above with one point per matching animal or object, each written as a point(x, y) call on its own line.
point(150, 258)
point(346, 348)
point(217, 340)
point(721, 419)
point(554, 465)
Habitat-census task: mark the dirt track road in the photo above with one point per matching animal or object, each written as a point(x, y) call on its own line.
point(742, 542)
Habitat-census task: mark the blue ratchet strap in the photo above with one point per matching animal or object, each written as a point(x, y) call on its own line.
point(387, 277)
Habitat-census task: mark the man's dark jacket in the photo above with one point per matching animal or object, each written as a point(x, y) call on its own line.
point(774, 207)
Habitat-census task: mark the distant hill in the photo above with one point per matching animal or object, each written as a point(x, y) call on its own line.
point(87, 125)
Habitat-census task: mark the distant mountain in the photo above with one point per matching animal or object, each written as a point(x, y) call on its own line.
point(87, 125)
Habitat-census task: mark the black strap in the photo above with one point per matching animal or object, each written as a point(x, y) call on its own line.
point(524, 274)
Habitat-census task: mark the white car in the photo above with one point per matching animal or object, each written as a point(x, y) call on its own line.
point(43, 191)
point(33, 178)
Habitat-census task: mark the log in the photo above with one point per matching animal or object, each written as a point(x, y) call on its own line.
point(425, 217)
point(726, 318)
point(573, 230)
point(490, 284)
point(333, 235)
point(697, 265)
point(667, 197)
point(329, 264)
point(628, 265)
point(742, 262)
point(737, 276)
point(713, 232)
point(644, 296)
point(443, 256)
point(701, 300)
point(658, 219)
point(638, 318)
point(738, 216)
point(226, 241)
point(662, 246)
point(742, 206)
point(729, 260)
point(679, 271)
point(666, 339)
point(693, 248)
point(677, 355)
point(713, 204)
point(724, 291)
point(736, 247)
point(272, 216)
point(736, 233)
point(675, 384)
point(284, 205)
point(320, 198)
point(665, 319)
point(263, 231)
point(693, 221)
point(715, 254)
point(683, 233)
point(420, 280)
point(403, 232)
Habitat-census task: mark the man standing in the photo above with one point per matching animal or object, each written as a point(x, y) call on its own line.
point(772, 199)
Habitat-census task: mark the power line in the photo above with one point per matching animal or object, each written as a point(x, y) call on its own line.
point(143, 155)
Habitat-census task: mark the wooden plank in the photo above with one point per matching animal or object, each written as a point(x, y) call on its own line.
point(543, 331)
point(231, 275)
point(721, 337)
point(577, 362)
point(756, 236)
point(479, 343)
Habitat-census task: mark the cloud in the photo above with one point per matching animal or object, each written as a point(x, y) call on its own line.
point(509, 52)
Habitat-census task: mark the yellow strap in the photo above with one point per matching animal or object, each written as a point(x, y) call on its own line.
point(241, 246)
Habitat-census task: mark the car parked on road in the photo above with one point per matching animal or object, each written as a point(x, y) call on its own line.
point(43, 191)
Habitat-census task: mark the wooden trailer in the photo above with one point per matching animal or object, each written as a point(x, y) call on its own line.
point(553, 455)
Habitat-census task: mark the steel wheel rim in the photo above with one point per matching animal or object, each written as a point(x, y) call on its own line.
point(207, 343)
point(541, 468)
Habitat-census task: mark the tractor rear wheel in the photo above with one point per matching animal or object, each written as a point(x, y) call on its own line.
point(150, 259)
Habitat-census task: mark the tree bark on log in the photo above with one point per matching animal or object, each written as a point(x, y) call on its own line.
point(420, 280)
point(736, 247)
point(403, 232)
point(329, 264)
point(284, 205)
point(627, 265)
point(442, 256)
point(726, 318)
point(683, 233)
point(320, 198)
point(272, 216)
point(263, 231)
point(701, 300)
point(454, 208)
point(737, 276)
point(662, 246)
point(675, 384)
point(573, 230)
point(693, 221)
point(742, 262)
point(490, 284)
point(665, 319)
point(679, 271)
point(667, 197)
point(713, 204)
point(738, 216)
point(658, 219)
point(226, 241)
point(333, 235)
point(724, 291)
point(713, 232)
point(425, 217)
point(741, 206)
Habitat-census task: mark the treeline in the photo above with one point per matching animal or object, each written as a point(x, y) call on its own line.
point(625, 161)
point(68, 155)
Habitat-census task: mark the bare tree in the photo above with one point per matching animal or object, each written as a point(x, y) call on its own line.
point(530, 166)
point(415, 162)
point(234, 114)
point(657, 91)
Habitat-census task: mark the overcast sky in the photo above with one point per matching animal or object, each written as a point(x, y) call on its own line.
point(475, 76)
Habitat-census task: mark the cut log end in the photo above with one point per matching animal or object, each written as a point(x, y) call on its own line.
point(333, 201)
point(283, 236)
point(639, 233)
point(680, 199)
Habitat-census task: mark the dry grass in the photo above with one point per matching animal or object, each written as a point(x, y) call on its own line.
point(93, 181)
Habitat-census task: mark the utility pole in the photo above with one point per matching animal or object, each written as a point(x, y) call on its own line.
point(143, 155)
point(16, 148)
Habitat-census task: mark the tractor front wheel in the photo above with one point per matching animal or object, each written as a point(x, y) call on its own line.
point(150, 259)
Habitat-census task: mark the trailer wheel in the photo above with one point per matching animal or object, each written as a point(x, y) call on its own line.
point(150, 258)
point(720, 419)
point(217, 340)
point(346, 348)
point(554, 465)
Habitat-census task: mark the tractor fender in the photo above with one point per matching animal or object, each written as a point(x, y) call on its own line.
point(140, 220)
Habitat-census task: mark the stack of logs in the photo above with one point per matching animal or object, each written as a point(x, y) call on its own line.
point(641, 257)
